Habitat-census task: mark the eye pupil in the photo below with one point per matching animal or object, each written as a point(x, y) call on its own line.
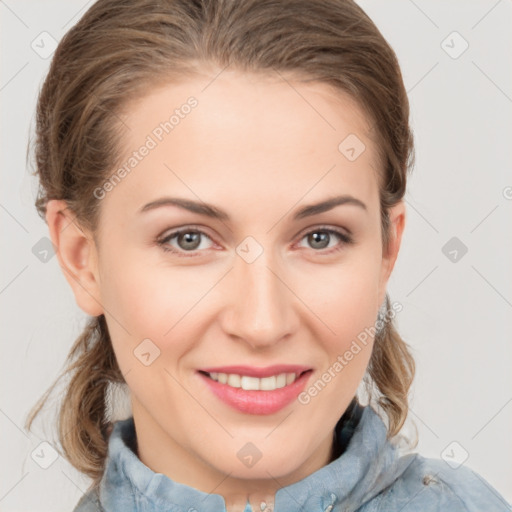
point(319, 237)
point(190, 238)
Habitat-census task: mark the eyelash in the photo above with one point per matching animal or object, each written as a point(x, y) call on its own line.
point(345, 240)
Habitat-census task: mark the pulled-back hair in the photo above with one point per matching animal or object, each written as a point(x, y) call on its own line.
point(118, 50)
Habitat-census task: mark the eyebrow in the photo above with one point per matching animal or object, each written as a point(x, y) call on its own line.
point(212, 211)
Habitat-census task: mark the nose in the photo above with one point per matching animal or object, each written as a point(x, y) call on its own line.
point(261, 306)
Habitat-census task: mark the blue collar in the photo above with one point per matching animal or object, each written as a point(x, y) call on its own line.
point(369, 464)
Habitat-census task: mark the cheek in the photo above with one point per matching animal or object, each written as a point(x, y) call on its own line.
point(155, 302)
point(347, 305)
point(148, 311)
point(345, 296)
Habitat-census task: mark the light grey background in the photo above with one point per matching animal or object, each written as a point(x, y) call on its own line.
point(457, 315)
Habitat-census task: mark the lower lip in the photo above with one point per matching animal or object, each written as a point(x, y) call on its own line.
point(257, 402)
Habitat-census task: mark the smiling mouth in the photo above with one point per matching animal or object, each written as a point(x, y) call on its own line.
point(249, 383)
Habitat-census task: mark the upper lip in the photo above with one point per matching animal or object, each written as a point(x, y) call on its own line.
point(254, 371)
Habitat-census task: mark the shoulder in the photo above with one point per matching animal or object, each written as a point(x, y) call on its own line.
point(432, 485)
point(89, 502)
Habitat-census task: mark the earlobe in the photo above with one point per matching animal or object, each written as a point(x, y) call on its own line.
point(76, 252)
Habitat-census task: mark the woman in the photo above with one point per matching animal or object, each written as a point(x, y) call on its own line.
point(224, 183)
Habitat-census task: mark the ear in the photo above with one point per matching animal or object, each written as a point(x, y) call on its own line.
point(396, 228)
point(77, 255)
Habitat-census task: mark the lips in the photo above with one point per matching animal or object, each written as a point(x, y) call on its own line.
point(254, 390)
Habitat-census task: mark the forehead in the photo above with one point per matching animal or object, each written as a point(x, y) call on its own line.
point(249, 135)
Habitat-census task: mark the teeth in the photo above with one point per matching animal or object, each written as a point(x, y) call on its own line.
point(249, 383)
point(254, 383)
point(281, 380)
point(267, 383)
point(234, 380)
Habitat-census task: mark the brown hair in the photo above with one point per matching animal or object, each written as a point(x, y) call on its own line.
point(115, 52)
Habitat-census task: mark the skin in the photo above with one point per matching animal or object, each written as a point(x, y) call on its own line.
point(258, 147)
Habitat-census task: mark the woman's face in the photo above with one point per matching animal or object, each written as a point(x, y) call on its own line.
point(259, 278)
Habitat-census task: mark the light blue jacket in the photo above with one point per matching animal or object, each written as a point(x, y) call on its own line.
point(369, 476)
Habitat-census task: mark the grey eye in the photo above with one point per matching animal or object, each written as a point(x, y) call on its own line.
point(189, 240)
point(319, 239)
